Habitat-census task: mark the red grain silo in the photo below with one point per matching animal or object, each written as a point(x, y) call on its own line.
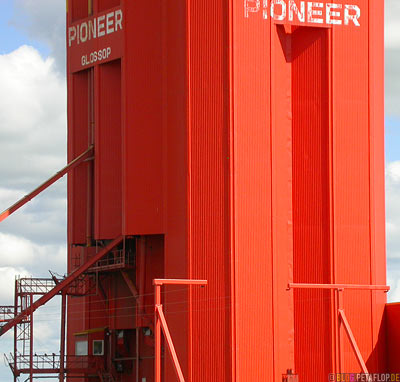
point(239, 142)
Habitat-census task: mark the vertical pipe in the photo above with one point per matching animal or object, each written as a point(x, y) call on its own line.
point(90, 168)
point(15, 327)
point(31, 343)
point(62, 341)
point(336, 330)
point(142, 275)
point(157, 360)
point(137, 353)
point(340, 331)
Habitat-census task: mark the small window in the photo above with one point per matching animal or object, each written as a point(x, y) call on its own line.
point(98, 347)
point(81, 348)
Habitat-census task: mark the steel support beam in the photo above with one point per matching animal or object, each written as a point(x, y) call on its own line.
point(60, 287)
point(70, 166)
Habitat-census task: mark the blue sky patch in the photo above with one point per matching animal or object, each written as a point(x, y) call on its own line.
point(11, 38)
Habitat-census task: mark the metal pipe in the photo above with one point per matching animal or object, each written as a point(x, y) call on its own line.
point(15, 328)
point(384, 288)
point(142, 277)
point(137, 353)
point(90, 7)
point(157, 334)
point(70, 166)
point(62, 341)
point(31, 343)
point(90, 168)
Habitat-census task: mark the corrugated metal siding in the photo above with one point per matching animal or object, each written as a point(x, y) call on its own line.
point(143, 130)
point(311, 226)
point(252, 225)
point(175, 172)
point(78, 143)
point(78, 8)
point(209, 196)
point(106, 4)
point(108, 161)
point(377, 172)
point(351, 177)
point(166, 150)
point(281, 206)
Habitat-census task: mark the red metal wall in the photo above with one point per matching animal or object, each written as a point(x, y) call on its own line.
point(311, 199)
point(108, 152)
point(208, 190)
point(248, 152)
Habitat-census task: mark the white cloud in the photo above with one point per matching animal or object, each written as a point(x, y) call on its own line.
point(393, 209)
point(393, 279)
point(18, 251)
point(392, 81)
point(392, 26)
point(32, 148)
point(7, 282)
point(32, 119)
point(42, 220)
point(392, 59)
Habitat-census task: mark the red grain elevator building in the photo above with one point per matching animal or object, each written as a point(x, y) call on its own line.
point(239, 142)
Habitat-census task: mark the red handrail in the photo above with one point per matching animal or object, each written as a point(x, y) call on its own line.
point(161, 324)
point(341, 316)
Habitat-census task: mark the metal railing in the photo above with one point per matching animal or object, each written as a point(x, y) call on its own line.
point(161, 324)
point(6, 313)
point(341, 318)
point(50, 363)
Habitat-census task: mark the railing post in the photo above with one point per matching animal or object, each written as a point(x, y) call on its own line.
point(157, 334)
point(336, 330)
point(160, 323)
point(339, 326)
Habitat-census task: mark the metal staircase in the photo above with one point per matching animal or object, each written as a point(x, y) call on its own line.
point(106, 377)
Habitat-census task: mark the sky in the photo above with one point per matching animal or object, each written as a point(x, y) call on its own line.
point(33, 147)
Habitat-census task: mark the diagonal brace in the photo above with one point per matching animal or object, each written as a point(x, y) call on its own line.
point(59, 287)
point(353, 341)
point(70, 166)
point(170, 344)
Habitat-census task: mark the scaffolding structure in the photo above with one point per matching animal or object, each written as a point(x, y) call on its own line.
point(31, 293)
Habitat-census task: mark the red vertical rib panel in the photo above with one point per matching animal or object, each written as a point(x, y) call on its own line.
point(252, 256)
point(175, 151)
point(351, 177)
point(143, 140)
point(78, 141)
point(106, 4)
point(108, 163)
point(281, 207)
point(377, 173)
point(209, 190)
point(79, 9)
point(311, 242)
